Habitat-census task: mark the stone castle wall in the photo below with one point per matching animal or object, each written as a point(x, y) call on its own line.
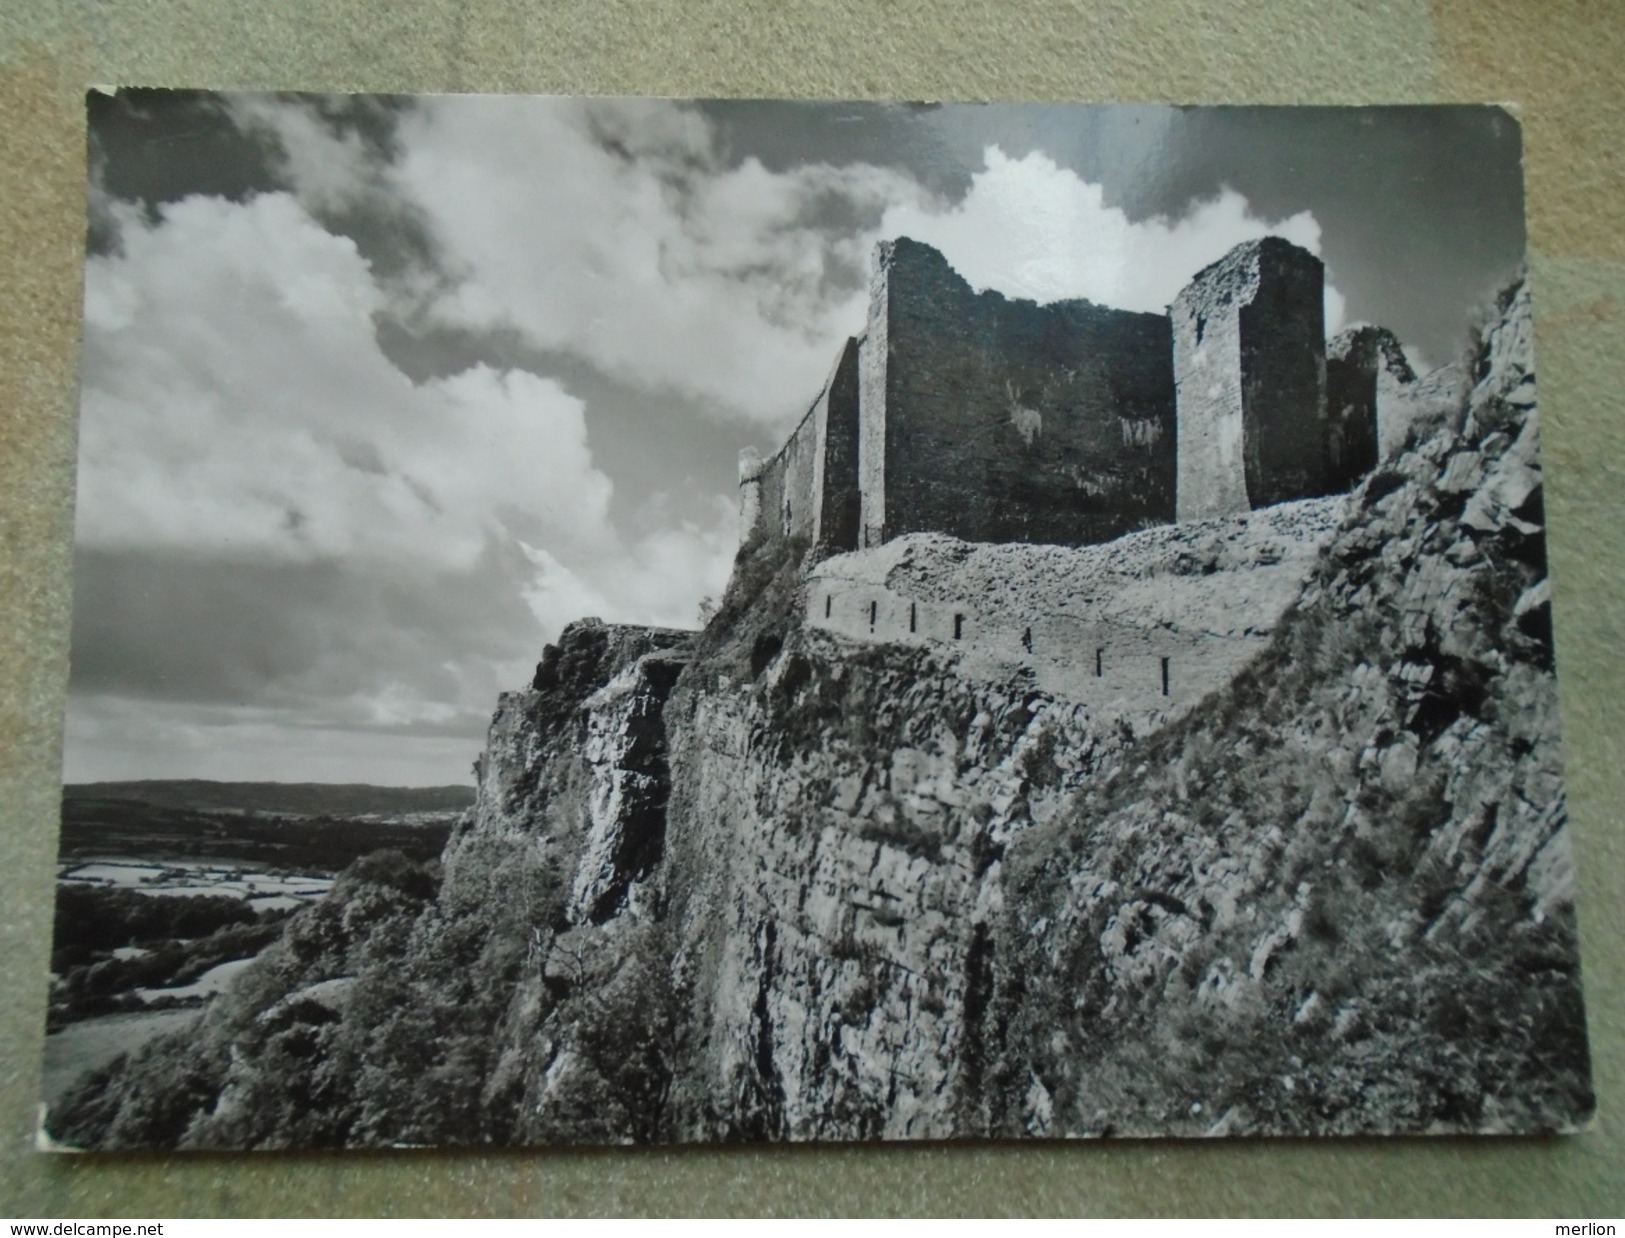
point(1369, 387)
point(874, 352)
point(784, 498)
point(1108, 666)
point(1146, 625)
point(1283, 369)
point(835, 507)
point(997, 420)
point(809, 487)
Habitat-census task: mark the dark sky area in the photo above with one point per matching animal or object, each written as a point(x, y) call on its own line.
point(1421, 208)
point(378, 393)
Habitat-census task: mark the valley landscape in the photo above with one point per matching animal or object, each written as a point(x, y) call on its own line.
point(166, 890)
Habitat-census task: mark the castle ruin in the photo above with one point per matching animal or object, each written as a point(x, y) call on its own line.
point(997, 420)
point(1366, 375)
point(1249, 363)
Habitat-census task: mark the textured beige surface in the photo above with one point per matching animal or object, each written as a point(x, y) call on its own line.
point(1560, 62)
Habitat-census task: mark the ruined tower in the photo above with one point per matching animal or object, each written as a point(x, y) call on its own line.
point(992, 419)
point(1250, 362)
point(1368, 385)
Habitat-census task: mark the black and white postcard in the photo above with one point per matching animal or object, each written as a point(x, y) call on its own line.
point(635, 621)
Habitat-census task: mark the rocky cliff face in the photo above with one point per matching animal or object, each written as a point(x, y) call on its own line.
point(834, 878)
point(768, 882)
point(1338, 898)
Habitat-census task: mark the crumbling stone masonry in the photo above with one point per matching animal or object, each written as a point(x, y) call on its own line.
point(1250, 359)
point(1368, 395)
point(999, 420)
point(995, 420)
point(836, 511)
point(809, 487)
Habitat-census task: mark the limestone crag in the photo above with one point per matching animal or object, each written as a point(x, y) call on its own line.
point(625, 751)
point(834, 878)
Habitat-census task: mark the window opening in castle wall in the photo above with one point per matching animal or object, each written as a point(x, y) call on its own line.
point(829, 602)
point(1165, 676)
point(912, 616)
point(959, 627)
point(874, 610)
point(1100, 663)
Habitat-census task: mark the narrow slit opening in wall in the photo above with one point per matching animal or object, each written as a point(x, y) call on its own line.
point(1165, 676)
point(912, 616)
point(828, 604)
point(1100, 663)
point(959, 627)
point(874, 610)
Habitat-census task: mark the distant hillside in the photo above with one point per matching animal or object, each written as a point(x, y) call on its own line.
point(298, 798)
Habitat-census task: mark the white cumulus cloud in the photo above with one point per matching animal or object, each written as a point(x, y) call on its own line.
point(238, 416)
point(611, 230)
point(235, 401)
point(1030, 228)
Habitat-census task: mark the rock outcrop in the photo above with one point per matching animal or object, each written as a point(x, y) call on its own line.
point(1340, 897)
point(767, 881)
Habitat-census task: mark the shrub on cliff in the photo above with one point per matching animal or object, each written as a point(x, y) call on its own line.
point(96, 918)
point(263, 1067)
point(758, 607)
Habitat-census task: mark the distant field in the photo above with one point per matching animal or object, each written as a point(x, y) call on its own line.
point(167, 890)
point(112, 820)
point(280, 798)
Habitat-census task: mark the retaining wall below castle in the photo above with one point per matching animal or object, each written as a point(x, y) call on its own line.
point(1142, 627)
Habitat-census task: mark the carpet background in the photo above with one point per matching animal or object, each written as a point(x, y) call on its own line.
point(1558, 62)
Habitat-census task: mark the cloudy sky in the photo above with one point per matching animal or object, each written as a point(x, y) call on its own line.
point(379, 393)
